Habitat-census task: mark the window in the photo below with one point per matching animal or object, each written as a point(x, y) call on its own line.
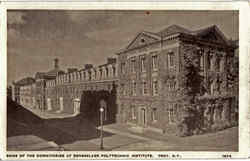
point(95, 74)
point(123, 90)
point(90, 75)
point(154, 61)
point(209, 62)
point(114, 71)
point(218, 64)
point(100, 73)
point(133, 65)
point(133, 88)
point(107, 72)
point(171, 113)
point(155, 87)
point(212, 88)
point(123, 68)
point(144, 88)
point(201, 62)
point(143, 65)
point(154, 115)
point(172, 85)
point(171, 59)
point(201, 53)
point(142, 40)
point(222, 61)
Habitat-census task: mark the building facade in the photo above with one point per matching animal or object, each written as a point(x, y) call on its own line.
point(150, 67)
point(22, 88)
point(148, 76)
point(63, 94)
point(27, 95)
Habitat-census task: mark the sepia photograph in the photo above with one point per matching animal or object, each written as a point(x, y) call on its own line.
point(123, 80)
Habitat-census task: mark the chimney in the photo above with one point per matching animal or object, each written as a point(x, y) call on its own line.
point(56, 66)
point(88, 66)
point(111, 60)
point(71, 70)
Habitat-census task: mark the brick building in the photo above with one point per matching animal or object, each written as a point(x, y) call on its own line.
point(18, 89)
point(27, 95)
point(151, 64)
point(147, 74)
point(64, 92)
point(41, 79)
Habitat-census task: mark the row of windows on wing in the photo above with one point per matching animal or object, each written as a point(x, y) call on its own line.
point(77, 91)
point(214, 62)
point(26, 90)
point(171, 112)
point(85, 76)
point(28, 101)
point(143, 62)
point(171, 86)
point(145, 88)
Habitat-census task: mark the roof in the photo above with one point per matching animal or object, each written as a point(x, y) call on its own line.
point(40, 75)
point(49, 75)
point(54, 72)
point(173, 29)
point(25, 81)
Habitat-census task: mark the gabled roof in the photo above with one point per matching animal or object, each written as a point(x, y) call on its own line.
point(173, 29)
point(208, 30)
point(149, 35)
point(204, 33)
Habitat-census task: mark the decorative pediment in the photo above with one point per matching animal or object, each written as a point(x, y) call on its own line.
point(212, 34)
point(143, 38)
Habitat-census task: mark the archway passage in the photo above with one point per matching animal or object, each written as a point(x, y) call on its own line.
point(90, 106)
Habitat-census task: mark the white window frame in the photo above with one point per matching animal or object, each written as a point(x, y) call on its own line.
point(171, 59)
point(133, 64)
point(143, 65)
point(123, 66)
point(154, 87)
point(133, 88)
point(155, 62)
point(144, 86)
point(171, 113)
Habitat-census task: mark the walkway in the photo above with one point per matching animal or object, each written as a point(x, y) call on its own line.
point(49, 114)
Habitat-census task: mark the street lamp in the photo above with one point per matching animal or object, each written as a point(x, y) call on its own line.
point(101, 119)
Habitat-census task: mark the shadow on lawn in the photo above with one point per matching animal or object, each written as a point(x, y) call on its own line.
point(21, 121)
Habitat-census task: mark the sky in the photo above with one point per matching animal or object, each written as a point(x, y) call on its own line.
point(36, 37)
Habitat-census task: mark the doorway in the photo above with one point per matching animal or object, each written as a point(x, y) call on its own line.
point(61, 104)
point(49, 104)
point(143, 117)
point(76, 105)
